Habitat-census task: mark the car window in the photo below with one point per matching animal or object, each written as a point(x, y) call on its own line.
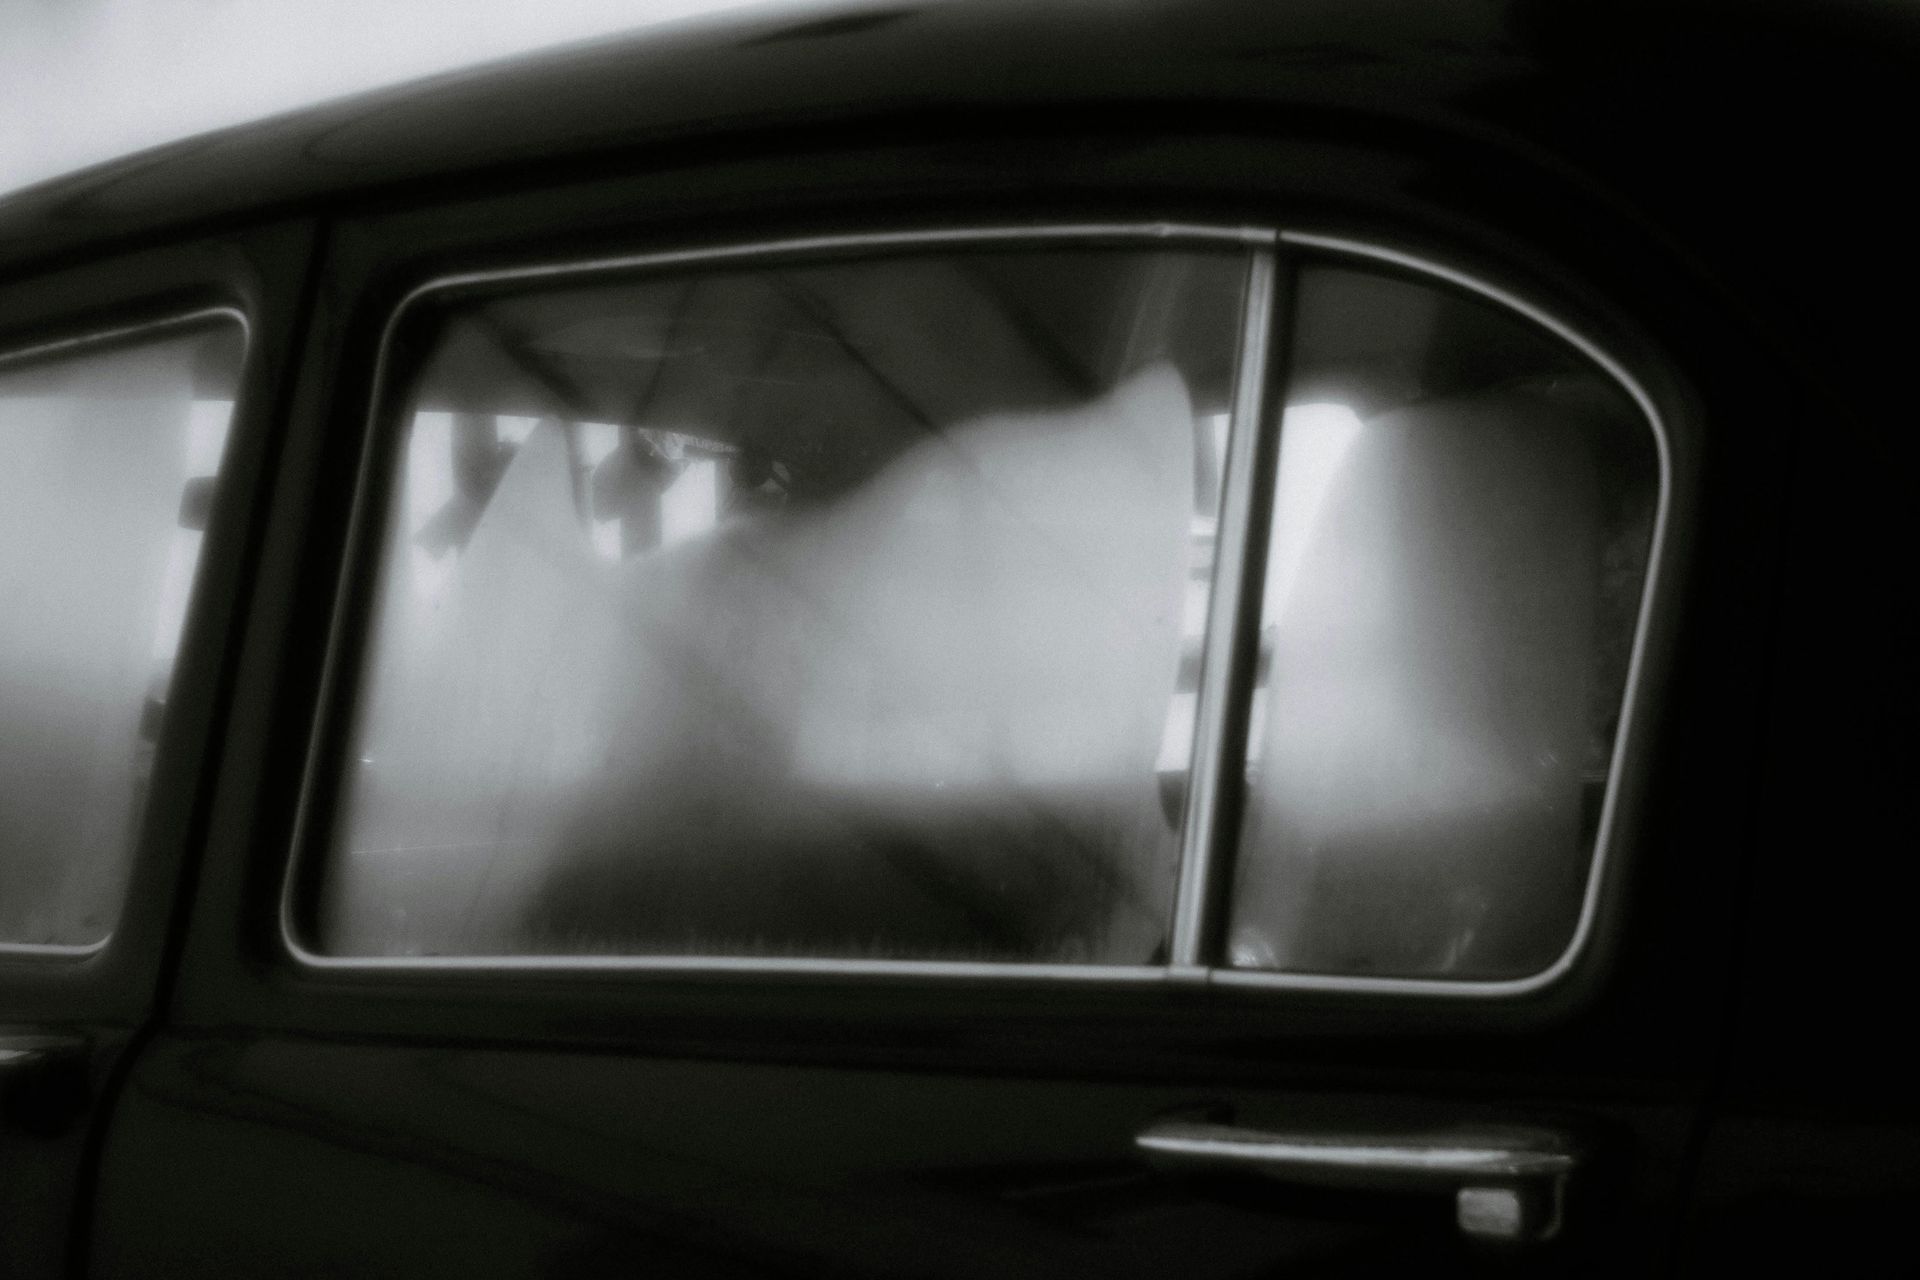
point(1464, 513)
point(826, 609)
point(853, 608)
point(111, 452)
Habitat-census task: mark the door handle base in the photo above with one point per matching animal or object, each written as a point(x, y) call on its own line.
point(43, 1083)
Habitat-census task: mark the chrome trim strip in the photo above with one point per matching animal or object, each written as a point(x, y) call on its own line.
point(1199, 854)
point(55, 950)
point(806, 246)
point(1411, 1159)
point(358, 532)
point(755, 966)
point(78, 345)
point(102, 337)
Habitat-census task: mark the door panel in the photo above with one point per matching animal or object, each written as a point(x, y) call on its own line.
point(313, 1158)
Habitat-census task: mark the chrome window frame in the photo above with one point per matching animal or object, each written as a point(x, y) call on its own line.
point(1203, 874)
point(80, 345)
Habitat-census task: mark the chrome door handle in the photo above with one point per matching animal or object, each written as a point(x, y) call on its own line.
point(1508, 1183)
point(25, 1052)
point(44, 1087)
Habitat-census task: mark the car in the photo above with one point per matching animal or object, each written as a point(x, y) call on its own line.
point(981, 639)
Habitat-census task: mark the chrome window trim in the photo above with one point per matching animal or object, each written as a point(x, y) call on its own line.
point(79, 345)
point(807, 246)
point(1199, 875)
point(105, 337)
point(1200, 858)
point(753, 966)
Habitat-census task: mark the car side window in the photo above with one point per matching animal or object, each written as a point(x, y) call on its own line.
point(112, 448)
point(875, 604)
point(826, 609)
point(1464, 515)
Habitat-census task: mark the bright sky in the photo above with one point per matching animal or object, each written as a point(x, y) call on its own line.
point(87, 80)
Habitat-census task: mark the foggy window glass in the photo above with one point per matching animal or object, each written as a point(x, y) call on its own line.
point(110, 459)
point(1463, 514)
point(831, 610)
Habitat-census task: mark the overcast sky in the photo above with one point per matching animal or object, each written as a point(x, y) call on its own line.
point(86, 80)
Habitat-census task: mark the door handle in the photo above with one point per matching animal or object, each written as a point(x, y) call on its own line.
point(43, 1082)
point(27, 1052)
point(1508, 1184)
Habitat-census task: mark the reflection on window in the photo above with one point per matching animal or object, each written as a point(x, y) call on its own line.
point(843, 610)
point(110, 461)
point(1463, 513)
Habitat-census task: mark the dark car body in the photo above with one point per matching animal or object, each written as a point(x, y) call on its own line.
point(1715, 191)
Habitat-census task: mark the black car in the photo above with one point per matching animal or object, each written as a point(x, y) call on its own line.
point(1201, 638)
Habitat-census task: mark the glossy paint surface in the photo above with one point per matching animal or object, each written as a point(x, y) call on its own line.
point(1715, 189)
point(401, 1162)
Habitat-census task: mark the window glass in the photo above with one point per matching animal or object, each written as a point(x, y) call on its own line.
point(1463, 512)
point(841, 609)
point(110, 458)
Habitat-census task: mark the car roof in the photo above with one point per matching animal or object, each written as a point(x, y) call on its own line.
point(1573, 82)
point(1488, 66)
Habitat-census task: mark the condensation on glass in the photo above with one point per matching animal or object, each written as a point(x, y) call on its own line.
point(813, 609)
point(1464, 508)
point(111, 453)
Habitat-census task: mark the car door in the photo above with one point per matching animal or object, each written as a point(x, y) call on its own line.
point(863, 740)
point(131, 390)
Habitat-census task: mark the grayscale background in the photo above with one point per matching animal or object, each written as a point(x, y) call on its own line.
point(83, 81)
